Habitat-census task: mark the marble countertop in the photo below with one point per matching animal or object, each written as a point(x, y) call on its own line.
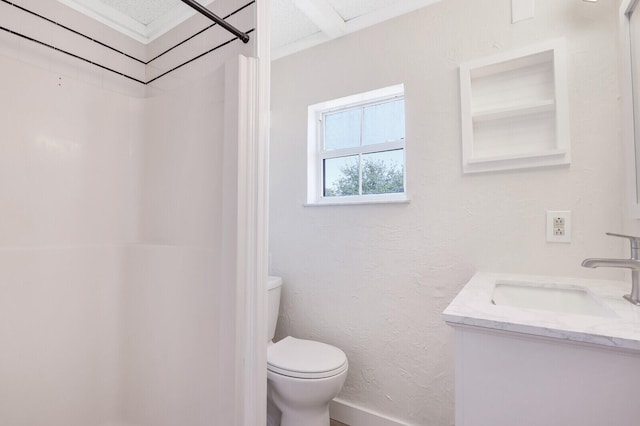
point(473, 307)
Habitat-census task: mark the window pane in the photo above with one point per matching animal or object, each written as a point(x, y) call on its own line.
point(383, 122)
point(341, 176)
point(383, 172)
point(342, 129)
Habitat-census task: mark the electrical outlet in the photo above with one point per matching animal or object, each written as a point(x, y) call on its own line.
point(559, 226)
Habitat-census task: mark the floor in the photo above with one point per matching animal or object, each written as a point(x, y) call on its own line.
point(337, 423)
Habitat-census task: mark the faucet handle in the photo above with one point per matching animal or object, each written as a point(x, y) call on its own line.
point(635, 242)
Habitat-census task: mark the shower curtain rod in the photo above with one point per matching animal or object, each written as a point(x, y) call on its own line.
point(206, 12)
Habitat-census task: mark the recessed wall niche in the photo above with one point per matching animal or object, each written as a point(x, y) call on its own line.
point(515, 111)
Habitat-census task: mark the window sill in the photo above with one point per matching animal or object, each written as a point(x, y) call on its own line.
point(360, 200)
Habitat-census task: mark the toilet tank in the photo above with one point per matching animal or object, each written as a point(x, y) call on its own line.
point(274, 286)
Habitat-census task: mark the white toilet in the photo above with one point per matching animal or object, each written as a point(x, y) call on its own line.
point(303, 376)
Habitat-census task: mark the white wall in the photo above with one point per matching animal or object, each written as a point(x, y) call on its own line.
point(631, 225)
point(373, 280)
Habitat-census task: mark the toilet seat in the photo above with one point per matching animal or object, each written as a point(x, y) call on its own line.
point(305, 359)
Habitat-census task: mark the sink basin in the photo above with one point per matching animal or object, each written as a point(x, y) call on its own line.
point(566, 308)
point(549, 297)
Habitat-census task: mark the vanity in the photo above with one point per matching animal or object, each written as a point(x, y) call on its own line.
point(534, 350)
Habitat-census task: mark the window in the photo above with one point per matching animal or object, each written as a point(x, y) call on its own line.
point(356, 149)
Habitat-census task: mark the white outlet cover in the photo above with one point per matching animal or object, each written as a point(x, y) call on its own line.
point(566, 215)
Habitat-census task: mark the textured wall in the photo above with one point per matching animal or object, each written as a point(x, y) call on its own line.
point(374, 279)
point(631, 225)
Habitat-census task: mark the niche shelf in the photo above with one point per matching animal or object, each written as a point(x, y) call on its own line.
point(515, 111)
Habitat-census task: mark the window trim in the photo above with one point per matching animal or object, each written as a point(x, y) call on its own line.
point(316, 155)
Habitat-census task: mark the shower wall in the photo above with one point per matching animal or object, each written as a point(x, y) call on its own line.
point(113, 311)
point(171, 312)
point(67, 191)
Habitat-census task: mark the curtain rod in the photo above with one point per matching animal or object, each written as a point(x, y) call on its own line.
point(206, 12)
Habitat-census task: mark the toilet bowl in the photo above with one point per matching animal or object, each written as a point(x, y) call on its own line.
point(303, 376)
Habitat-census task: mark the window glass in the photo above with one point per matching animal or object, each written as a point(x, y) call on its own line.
point(341, 176)
point(383, 122)
point(342, 129)
point(383, 172)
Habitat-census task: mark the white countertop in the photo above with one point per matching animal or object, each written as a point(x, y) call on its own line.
point(473, 307)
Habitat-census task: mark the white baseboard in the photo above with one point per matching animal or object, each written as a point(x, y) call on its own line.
point(352, 415)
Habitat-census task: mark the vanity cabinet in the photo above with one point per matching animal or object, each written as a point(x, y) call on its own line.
point(508, 379)
point(571, 357)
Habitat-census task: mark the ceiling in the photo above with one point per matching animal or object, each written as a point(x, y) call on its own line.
point(145, 12)
point(296, 24)
point(300, 24)
point(142, 20)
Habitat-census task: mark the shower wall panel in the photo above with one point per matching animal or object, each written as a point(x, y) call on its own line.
point(172, 314)
point(66, 159)
point(171, 340)
point(181, 170)
point(60, 336)
point(68, 197)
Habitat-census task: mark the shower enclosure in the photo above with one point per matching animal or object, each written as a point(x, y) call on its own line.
point(132, 195)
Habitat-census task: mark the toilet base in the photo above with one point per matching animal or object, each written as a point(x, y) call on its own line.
point(306, 417)
point(303, 402)
point(274, 416)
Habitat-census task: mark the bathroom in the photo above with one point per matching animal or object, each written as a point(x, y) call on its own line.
point(117, 201)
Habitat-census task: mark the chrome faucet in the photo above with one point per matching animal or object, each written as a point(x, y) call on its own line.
point(632, 263)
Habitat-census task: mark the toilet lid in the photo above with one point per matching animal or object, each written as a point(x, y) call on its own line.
point(305, 358)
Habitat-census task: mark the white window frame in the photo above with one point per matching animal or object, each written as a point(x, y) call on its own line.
point(316, 153)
